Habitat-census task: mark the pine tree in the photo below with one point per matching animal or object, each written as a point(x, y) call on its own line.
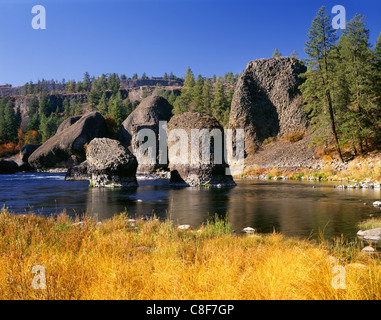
point(75, 107)
point(357, 125)
point(172, 98)
point(197, 94)
point(117, 109)
point(33, 105)
point(10, 122)
point(219, 103)
point(189, 79)
point(86, 83)
point(66, 108)
point(294, 54)
point(102, 106)
point(317, 87)
point(45, 107)
point(229, 77)
point(377, 71)
point(34, 123)
point(276, 53)
point(207, 97)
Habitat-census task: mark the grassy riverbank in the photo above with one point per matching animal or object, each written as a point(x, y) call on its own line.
point(156, 260)
point(360, 169)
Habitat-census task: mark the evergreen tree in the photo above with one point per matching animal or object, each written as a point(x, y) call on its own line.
point(172, 98)
point(18, 118)
point(377, 71)
point(66, 108)
point(294, 54)
point(276, 53)
point(45, 107)
point(48, 126)
point(33, 105)
point(197, 94)
point(219, 103)
point(95, 95)
point(358, 123)
point(102, 106)
point(317, 87)
point(34, 123)
point(189, 78)
point(229, 77)
point(117, 109)
point(86, 83)
point(75, 107)
point(207, 97)
point(10, 122)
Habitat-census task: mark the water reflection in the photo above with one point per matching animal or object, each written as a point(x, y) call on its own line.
point(292, 208)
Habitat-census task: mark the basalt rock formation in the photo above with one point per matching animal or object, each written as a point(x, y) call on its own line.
point(194, 171)
point(147, 115)
point(267, 101)
point(110, 164)
point(27, 150)
point(78, 173)
point(8, 167)
point(67, 123)
point(67, 148)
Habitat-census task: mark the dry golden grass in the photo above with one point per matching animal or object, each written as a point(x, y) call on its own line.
point(154, 260)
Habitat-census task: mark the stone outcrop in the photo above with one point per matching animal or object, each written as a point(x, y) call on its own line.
point(110, 164)
point(27, 150)
point(8, 167)
point(67, 148)
point(193, 171)
point(78, 173)
point(147, 115)
point(267, 102)
point(67, 123)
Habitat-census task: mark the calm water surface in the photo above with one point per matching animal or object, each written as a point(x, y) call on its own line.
point(292, 208)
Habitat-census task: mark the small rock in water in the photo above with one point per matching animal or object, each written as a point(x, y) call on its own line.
point(377, 204)
point(184, 227)
point(248, 230)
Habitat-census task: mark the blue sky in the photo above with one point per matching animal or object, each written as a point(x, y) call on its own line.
point(156, 36)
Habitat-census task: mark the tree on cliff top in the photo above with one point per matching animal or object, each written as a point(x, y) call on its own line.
point(276, 53)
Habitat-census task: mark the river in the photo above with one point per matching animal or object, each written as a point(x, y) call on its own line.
point(293, 208)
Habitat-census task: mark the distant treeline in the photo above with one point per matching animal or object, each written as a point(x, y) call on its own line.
point(107, 95)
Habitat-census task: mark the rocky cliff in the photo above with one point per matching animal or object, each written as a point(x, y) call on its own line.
point(267, 101)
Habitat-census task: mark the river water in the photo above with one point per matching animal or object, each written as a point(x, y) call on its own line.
point(292, 208)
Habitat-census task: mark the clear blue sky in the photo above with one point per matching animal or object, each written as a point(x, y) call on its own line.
point(156, 36)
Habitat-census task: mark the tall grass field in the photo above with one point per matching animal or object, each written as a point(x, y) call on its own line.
point(118, 259)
